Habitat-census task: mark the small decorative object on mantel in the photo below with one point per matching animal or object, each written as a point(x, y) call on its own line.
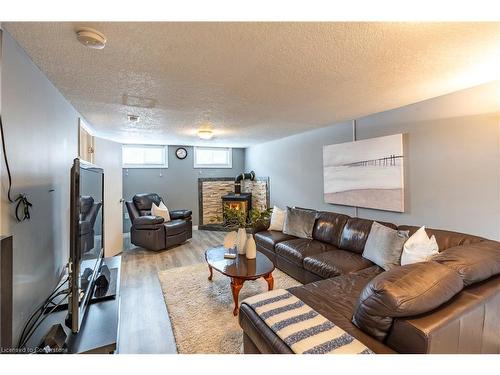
point(251, 248)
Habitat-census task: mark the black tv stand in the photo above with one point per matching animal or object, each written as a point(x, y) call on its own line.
point(99, 329)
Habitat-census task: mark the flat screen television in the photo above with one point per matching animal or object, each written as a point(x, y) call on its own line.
point(86, 237)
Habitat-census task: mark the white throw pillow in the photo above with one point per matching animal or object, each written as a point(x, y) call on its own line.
point(160, 210)
point(419, 248)
point(277, 219)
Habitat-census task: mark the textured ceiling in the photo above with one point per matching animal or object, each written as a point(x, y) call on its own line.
point(254, 81)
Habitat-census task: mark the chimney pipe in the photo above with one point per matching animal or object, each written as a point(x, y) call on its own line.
point(243, 176)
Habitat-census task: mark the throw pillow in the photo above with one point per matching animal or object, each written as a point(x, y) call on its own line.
point(419, 248)
point(384, 246)
point(161, 211)
point(299, 223)
point(277, 219)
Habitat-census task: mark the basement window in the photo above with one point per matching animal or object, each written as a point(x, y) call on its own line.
point(144, 156)
point(213, 157)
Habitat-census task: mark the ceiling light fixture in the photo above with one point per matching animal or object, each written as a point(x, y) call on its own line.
point(205, 133)
point(90, 37)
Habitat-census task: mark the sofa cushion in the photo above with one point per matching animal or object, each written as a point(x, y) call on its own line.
point(328, 227)
point(174, 227)
point(384, 246)
point(403, 292)
point(445, 238)
point(474, 263)
point(336, 299)
point(180, 214)
point(144, 201)
point(334, 263)
point(269, 238)
point(296, 250)
point(299, 222)
point(148, 222)
point(355, 233)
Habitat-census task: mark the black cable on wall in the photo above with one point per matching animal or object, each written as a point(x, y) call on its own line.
point(21, 201)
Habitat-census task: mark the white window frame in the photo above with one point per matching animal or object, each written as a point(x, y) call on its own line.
point(202, 166)
point(160, 166)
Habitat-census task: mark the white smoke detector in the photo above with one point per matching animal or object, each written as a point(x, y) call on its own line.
point(133, 118)
point(91, 38)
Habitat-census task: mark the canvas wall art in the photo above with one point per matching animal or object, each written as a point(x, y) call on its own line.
point(367, 173)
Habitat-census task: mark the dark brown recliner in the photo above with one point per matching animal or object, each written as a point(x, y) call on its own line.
point(152, 232)
point(88, 215)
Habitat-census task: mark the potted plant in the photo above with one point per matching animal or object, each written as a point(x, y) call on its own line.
point(235, 219)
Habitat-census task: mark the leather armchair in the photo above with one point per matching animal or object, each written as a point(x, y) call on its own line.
point(152, 232)
point(88, 215)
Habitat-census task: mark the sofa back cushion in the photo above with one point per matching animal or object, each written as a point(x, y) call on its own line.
point(403, 292)
point(144, 201)
point(445, 238)
point(355, 233)
point(329, 226)
point(474, 263)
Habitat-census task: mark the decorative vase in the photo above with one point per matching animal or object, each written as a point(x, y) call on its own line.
point(230, 240)
point(251, 249)
point(241, 241)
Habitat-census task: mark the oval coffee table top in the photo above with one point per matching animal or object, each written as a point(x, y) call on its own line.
point(240, 267)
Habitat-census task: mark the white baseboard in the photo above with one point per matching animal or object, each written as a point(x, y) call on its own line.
point(195, 227)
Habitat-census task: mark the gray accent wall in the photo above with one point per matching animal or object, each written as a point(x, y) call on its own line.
point(177, 184)
point(452, 166)
point(41, 133)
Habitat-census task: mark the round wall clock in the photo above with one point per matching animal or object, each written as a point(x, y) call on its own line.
point(181, 153)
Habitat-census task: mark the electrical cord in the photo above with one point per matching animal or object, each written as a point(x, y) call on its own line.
point(22, 200)
point(30, 333)
point(44, 305)
point(28, 326)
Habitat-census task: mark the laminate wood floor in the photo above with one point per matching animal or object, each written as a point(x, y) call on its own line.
point(144, 323)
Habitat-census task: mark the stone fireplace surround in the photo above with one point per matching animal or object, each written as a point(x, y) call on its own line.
point(211, 190)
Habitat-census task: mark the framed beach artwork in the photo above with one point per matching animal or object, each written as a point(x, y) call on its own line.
point(367, 173)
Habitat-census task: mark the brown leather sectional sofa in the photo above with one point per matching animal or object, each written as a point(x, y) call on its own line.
point(448, 305)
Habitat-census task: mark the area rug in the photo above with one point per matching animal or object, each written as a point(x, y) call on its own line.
point(201, 311)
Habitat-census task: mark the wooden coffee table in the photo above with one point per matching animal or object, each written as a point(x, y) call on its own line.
point(239, 270)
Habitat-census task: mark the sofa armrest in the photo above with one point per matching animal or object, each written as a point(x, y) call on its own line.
point(148, 222)
point(467, 324)
point(403, 292)
point(180, 214)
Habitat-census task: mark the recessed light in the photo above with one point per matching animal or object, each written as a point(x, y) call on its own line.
point(91, 38)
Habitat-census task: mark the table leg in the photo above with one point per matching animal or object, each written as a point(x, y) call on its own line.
point(236, 285)
point(270, 281)
point(211, 273)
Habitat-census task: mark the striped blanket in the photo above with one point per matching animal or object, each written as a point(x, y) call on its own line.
point(304, 330)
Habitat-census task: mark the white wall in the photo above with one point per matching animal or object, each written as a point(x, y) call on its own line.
point(41, 139)
point(452, 162)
